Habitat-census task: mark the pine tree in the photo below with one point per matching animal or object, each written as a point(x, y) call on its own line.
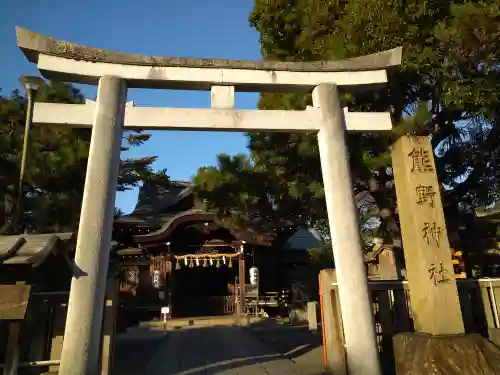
point(57, 161)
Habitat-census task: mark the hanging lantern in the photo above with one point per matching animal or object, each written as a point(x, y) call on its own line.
point(230, 265)
point(191, 265)
point(185, 261)
point(224, 259)
point(218, 263)
point(157, 279)
point(211, 262)
point(254, 276)
point(177, 265)
point(197, 261)
point(205, 262)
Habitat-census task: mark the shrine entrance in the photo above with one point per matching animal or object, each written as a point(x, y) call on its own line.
point(176, 255)
point(204, 291)
point(203, 282)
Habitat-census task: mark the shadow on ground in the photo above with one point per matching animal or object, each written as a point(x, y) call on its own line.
point(291, 341)
point(133, 353)
point(228, 350)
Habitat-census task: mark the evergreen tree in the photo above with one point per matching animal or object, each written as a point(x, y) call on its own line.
point(56, 166)
point(448, 87)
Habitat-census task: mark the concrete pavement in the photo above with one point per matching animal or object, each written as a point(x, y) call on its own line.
point(224, 350)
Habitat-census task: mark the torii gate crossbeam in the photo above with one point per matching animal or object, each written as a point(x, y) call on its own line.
point(219, 119)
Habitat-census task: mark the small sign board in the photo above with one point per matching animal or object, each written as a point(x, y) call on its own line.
point(165, 310)
point(251, 290)
point(14, 301)
point(165, 313)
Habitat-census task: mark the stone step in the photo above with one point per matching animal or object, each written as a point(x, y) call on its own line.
point(206, 321)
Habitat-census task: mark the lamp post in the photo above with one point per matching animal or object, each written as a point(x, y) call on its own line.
point(32, 85)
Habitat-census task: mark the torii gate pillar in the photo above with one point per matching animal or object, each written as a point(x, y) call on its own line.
point(88, 286)
point(355, 300)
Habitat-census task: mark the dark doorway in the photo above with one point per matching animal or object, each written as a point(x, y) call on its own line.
point(203, 291)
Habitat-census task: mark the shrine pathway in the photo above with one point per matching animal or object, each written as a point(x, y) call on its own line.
point(225, 351)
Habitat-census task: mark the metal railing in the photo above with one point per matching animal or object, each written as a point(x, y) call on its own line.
point(37, 363)
point(491, 294)
point(479, 300)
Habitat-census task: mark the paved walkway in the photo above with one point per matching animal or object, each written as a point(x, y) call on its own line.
point(222, 351)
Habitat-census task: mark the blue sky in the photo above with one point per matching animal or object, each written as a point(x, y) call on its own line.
point(196, 28)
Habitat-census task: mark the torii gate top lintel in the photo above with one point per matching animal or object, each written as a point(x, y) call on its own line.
point(75, 63)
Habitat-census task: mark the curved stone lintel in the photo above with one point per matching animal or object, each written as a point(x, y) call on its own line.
point(33, 44)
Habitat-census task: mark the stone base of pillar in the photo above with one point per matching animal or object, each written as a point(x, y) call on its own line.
point(423, 354)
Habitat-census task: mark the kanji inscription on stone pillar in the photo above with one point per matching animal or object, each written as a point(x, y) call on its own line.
point(433, 289)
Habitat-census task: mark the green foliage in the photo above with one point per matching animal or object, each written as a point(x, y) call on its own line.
point(322, 257)
point(307, 274)
point(448, 87)
point(56, 164)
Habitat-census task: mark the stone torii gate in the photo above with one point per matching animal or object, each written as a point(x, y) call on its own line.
point(114, 72)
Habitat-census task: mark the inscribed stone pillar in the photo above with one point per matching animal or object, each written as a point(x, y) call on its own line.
point(81, 347)
point(433, 290)
point(355, 300)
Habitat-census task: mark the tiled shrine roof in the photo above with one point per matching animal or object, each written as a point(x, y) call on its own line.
point(154, 203)
point(30, 249)
point(160, 207)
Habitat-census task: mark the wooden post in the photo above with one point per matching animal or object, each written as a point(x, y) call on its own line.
point(311, 316)
point(331, 323)
point(431, 280)
point(108, 328)
point(4, 334)
point(241, 264)
point(57, 334)
point(38, 315)
point(13, 305)
point(12, 353)
point(170, 282)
